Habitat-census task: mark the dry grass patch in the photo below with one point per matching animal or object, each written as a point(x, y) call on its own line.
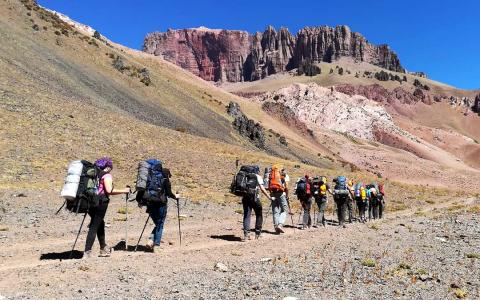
point(369, 262)
point(473, 255)
point(123, 210)
point(3, 228)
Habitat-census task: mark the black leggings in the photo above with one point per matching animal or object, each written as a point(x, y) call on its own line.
point(97, 225)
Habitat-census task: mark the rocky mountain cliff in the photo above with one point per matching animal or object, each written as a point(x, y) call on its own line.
point(233, 55)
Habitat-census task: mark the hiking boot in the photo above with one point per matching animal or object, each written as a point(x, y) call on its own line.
point(246, 237)
point(150, 245)
point(257, 235)
point(280, 228)
point(105, 251)
point(87, 254)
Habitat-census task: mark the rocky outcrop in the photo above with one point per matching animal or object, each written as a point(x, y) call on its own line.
point(233, 55)
point(476, 106)
point(214, 55)
point(247, 127)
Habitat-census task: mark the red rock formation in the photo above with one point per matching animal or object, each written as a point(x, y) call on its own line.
point(378, 93)
point(232, 55)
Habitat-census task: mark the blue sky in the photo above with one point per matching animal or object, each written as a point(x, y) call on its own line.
point(441, 38)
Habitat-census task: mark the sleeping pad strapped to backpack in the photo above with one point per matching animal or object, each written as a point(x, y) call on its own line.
point(81, 186)
point(245, 181)
point(151, 183)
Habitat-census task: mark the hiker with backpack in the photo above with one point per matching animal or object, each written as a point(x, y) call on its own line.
point(277, 186)
point(360, 195)
point(247, 183)
point(98, 210)
point(374, 201)
point(153, 190)
point(303, 190)
point(320, 187)
point(341, 195)
point(350, 203)
point(381, 200)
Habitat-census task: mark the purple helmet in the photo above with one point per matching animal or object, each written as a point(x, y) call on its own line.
point(104, 162)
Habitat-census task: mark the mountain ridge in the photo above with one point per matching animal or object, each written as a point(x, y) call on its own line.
point(236, 55)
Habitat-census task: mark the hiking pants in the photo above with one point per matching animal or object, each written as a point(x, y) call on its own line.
point(279, 208)
point(381, 207)
point(341, 207)
point(322, 205)
point(350, 209)
point(362, 205)
point(369, 208)
point(252, 202)
point(97, 225)
point(374, 204)
point(307, 206)
point(158, 213)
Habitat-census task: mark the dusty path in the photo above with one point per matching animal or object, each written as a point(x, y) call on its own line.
point(211, 234)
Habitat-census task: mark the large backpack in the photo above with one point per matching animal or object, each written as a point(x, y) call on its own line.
point(266, 177)
point(303, 187)
point(81, 186)
point(245, 181)
point(155, 192)
point(341, 186)
point(358, 190)
point(319, 186)
point(275, 180)
point(381, 189)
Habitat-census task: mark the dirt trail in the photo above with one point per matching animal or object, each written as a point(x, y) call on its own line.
point(211, 234)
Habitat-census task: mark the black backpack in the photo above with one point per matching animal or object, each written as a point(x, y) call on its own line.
point(87, 193)
point(245, 181)
point(301, 189)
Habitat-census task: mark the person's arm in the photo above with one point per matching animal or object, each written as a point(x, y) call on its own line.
point(264, 191)
point(109, 190)
point(168, 189)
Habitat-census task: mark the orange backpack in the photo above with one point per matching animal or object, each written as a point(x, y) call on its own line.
point(275, 180)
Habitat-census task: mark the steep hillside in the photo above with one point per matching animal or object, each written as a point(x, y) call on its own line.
point(66, 95)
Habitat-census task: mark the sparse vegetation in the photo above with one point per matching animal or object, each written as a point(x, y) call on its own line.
point(369, 262)
point(308, 68)
point(123, 210)
point(473, 255)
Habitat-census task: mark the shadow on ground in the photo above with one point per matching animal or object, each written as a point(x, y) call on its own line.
point(62, 255)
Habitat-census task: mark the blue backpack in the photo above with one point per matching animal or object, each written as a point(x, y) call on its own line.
point(155, 190)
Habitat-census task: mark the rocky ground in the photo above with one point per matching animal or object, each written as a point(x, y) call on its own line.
point(428, 254)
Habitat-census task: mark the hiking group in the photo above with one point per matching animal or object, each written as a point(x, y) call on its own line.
point(357, 198)
point(88, 188)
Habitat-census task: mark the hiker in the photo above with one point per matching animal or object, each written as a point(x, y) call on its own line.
point(304, 195)
point(320, 187)
point(97, 213)
point(341, 194)
point(277, 185)
point(350, 204)
point(360, 195)
point(157, 209)
point(381, 200)
point(373, 201)
point(246, 183)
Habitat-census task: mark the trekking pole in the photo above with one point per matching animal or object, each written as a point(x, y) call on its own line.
point(148, 218)
point(126, 220)
point(64, 202)
point(78, 234)
point(290, 213)
point(178, 217)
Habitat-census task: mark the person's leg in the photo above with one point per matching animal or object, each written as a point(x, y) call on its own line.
point(276, 212)
point(257, 207)
point(341, 211)
point(246, 214)
point(321, 211)
point(162, 213)
point(96, 214)
point(349, 207)
point(101, 229)
point(283, 209)
point(380, 208)
point(154, 213)
point(306, 212)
